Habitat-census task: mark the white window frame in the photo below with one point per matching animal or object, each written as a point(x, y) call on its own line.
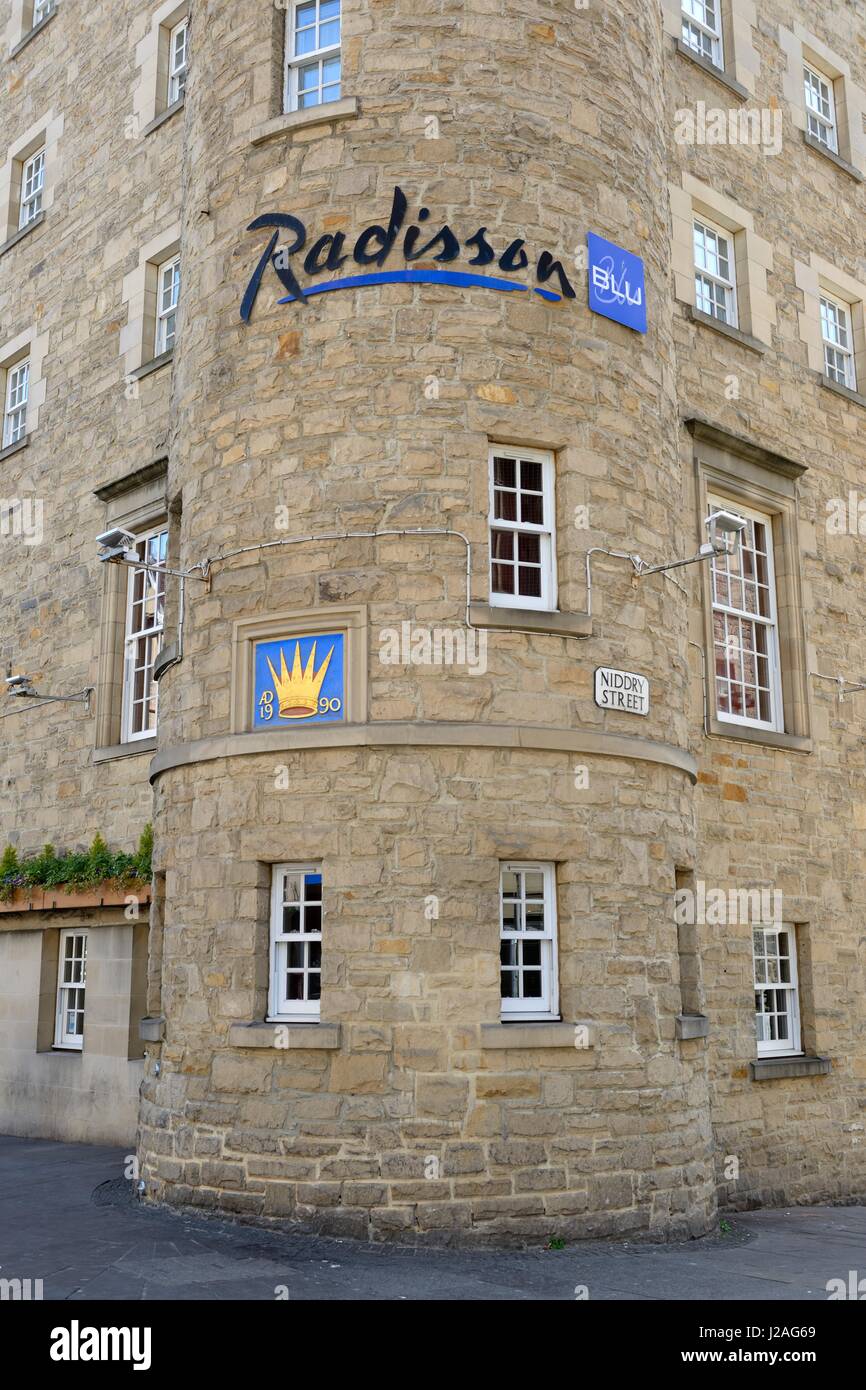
point(281, 1009)
point(16, 394)
point(728, 285)
point(547, 601)
point(167, 279)
point(770, 623)
point(136, 638)
point(294, 62)
point(697, 28)
point(32, 188)
point(547, 1005)
point(63, 1038)
point(178, 39)
point(821, 121)
point(791, 1046)
point(41, 10)
point(837, 340)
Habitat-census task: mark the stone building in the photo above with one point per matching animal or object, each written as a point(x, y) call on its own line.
point(506, 884)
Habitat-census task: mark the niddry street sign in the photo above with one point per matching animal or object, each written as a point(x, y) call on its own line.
point(621, 690)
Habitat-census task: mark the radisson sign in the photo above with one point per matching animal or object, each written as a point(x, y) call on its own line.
point(375, 245)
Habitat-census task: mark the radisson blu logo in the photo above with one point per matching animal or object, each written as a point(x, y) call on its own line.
point(329, 254)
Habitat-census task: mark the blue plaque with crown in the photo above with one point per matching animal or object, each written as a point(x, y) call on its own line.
point(299, 680)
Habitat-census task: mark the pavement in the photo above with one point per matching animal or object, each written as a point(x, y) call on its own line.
point(68, 1217)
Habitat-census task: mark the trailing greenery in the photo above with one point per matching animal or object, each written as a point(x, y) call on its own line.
point(78, 870)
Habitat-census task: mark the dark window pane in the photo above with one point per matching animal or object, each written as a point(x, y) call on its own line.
point(502, 543)
point(532, 510)
point(295, 955)
point(312, 919)
point(529, 583)
point(315, 955)
point(313, 888)
point(529, 549)
point(508, 987)
point(506, 506)
point(532, 953)
point(315, 986)
point(503, 579)
point(534, 917)
point(505, 472)
point(508, 952)
point(291, 919)
point(532, 984)
point(295, 986)
point(530, 475)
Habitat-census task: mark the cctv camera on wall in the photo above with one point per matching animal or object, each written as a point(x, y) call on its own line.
point(19, 685)
point(117, 545)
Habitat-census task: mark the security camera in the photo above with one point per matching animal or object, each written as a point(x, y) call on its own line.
point(117, 546)
point(19, 685)
point(723, 528)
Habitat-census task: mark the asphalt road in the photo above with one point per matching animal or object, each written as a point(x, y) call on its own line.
point(66, 1219)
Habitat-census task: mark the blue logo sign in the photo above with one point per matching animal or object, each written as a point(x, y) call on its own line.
point(616, 283)
point(300, 680)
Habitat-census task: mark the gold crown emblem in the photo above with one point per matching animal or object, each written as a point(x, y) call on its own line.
point(298, 693)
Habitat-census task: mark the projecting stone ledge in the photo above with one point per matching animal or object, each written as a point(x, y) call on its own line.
point(540, 1034)
point(777, 1068)
point(692, 1026)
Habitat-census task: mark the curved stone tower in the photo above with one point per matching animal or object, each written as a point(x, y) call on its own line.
point(411, 1108)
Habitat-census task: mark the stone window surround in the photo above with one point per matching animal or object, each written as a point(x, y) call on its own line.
point(800, 46)
point(546, 532)
point(814, 279)
point(150, 103)
point(93, 923)
point(33, 344)
point(21, 29)
point(270, 120)
point(140, 290)
point(807, 1062)
point(352, 620)
point(739, 19)
point(753, 255)
point(567, 622)
point(754, 476)
point(136, 503)
point(46, 131)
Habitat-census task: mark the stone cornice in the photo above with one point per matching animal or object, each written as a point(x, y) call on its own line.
point(430, 735)
point(705, 432)
point(138, 478)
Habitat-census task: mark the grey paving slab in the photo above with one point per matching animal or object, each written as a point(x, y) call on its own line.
point(67, 1218)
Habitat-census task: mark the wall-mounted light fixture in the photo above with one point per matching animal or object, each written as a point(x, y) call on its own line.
point(21, 687)
point(117, 547)
point(723, 528)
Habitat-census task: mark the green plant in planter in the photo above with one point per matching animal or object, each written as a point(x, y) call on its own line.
point(78, 870)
